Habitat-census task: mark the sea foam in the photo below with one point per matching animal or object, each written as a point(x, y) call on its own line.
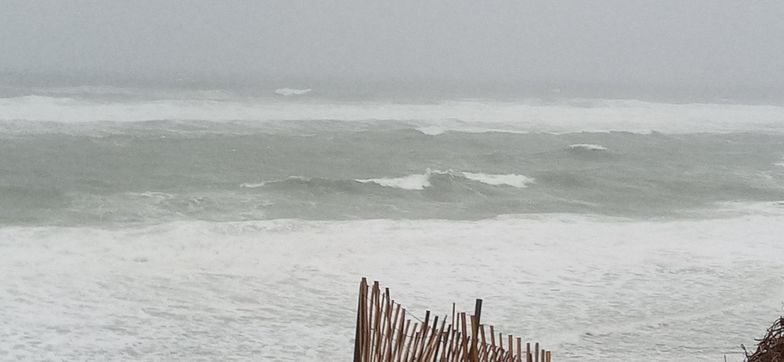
point(242, 287)
point(462, 116)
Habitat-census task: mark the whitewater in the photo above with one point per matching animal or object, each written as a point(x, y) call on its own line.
point(221, 227)
point(466, 115)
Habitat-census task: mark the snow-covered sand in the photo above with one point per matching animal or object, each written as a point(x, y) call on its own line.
point(589, 288)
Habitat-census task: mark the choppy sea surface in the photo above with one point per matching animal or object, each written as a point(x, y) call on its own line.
point(220, 227)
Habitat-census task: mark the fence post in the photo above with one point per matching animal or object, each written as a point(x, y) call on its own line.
point(473, 355)
point(358, 335)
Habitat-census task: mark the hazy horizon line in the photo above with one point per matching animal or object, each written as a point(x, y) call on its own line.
point(409, 87)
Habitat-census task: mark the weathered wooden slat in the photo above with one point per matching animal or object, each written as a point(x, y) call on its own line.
point(384, 333)
point(536, 352)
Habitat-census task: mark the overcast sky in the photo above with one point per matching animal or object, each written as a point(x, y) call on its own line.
point(618, 41)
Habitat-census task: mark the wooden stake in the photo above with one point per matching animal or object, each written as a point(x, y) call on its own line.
point(511, 348)
point(536, 352)
point(475, 320)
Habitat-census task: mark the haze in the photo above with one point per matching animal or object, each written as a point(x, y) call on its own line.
point(706, 44)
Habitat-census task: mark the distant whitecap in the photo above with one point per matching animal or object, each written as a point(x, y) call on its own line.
point(587, 147)
point(249, 185)
point(292, 91)
point(410, 182)
point(422, 181)
point(514, 180)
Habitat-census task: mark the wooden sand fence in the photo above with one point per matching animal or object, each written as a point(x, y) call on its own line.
point(384, 333)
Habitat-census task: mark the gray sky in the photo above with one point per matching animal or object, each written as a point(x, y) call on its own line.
point(703, 42)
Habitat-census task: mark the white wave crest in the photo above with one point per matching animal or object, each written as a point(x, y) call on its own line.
point(587, 147)
point(422, 181)
point(410, 182)
point(154, 195)
point(253, 185)
point(431, 130)
point(498, 180)
point(292, 91)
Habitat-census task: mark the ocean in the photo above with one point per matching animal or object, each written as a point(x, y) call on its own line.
point(210, 225)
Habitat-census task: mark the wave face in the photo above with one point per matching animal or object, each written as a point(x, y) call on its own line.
point(146, 172)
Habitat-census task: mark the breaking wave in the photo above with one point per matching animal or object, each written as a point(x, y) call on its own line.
point(292, 91)
point(253, 185)
point(422, 181)
point(413, 182)
point(410, 182)
point(587, 147)
point(514, 180)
